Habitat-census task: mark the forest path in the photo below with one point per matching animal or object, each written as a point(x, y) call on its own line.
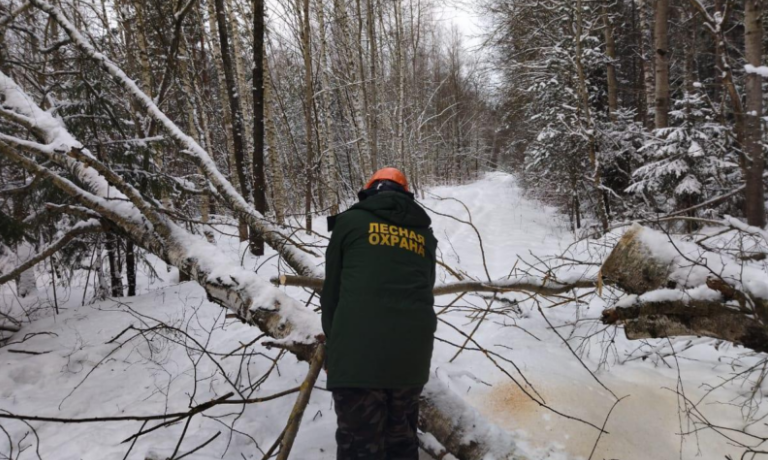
point(644, 426)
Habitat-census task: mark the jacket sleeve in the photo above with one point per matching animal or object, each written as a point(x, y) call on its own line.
point(329, 299)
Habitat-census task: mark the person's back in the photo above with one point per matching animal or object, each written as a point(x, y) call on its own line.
point(379, 320)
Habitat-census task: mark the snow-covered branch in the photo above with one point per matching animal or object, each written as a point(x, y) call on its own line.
point(55, 246)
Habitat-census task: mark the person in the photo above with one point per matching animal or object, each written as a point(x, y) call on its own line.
point(378, 318)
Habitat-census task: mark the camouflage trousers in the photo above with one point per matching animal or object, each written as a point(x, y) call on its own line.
point(377, 424)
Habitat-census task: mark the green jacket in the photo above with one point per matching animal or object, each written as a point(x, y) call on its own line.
point(377, 301)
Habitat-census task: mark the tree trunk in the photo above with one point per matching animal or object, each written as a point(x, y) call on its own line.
point(646, 51)
point(116, 277)
point(259, 184)
point(330, 167)
point(373, 56)
point(753, 149)
point(306, 51)
point(358, 117)
point(196, 124)
point(141, 27)
point(100, 285)
point(718, 95)
point(400, 64)
point(610, 52)
point(130, 267)
point(661, 45)
point(233, 98)
point(244, 92)
point(227, 115)
point(275, 167)
point(363, 85)
point(26, 284)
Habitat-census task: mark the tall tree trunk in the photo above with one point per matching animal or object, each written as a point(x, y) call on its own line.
point(610, 52)
point(244, 91)
point(646, 51)
point(202, 117)
point(330, 168)
point(259, 185)
point(718, 28)
point(306, 51)
point(373, 125)
point(141, 27)
point(227, 115)
point(130, 267)
point(275, 167)
point(753, 149)
point(194, 118)
point(718, 94)
point(661, 45)
point(363, 85)
point(400, 64)
point(691, 20)
point(358, 116)
point(233, 98)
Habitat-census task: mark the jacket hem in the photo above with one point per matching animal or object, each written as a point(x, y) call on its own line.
point(376, 386)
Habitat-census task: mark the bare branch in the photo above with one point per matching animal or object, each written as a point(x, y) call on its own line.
point(528, 284)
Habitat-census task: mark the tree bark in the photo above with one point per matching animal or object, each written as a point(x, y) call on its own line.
point(636, 268)
point(259, 184)
point(275, 167)
point(130, 267)
point(753, 149)
point(646, 50)
point(661, 52)
point(306, 51)
point(373, 56)
point(244, 92)
point(228, 115)
point(400, 65)
point(653, 320)
point(115, 276)
point(610, 52)
point(328, 153)
point(354, 76)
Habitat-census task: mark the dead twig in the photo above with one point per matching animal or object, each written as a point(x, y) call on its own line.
point(597, 441)
point(294, 421)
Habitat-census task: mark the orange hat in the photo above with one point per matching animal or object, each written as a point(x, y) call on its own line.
point(393, 174)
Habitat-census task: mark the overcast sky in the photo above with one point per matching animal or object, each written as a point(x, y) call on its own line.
point(463, 15)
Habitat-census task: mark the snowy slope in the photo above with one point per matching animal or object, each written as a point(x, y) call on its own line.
point(161, 369)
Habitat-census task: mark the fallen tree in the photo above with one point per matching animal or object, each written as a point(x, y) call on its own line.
point(677, 288)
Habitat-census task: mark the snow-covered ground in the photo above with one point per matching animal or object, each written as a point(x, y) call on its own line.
point(113, 358)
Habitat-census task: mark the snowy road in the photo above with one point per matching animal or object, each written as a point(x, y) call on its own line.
point(153, 373)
